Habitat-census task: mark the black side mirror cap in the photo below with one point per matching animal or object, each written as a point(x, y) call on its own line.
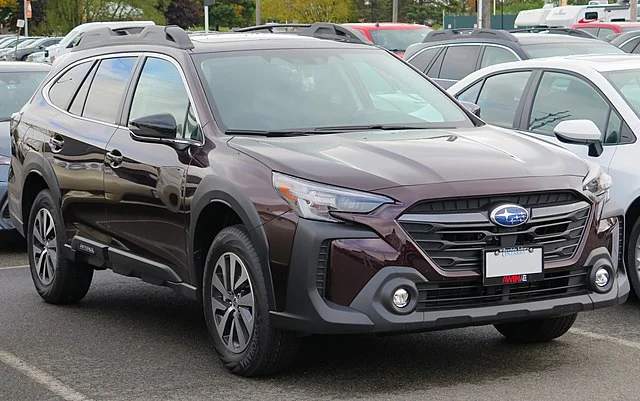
point(156, 126)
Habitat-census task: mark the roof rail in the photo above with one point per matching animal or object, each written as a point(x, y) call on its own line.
point(321, 30)
point(273, 28)
point(464, 33)
point(557, 31)
point(172, 36)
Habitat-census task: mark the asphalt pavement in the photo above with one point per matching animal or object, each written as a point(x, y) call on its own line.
point(128, 340)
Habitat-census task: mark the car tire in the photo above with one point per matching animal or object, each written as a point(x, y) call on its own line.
point(537, 330)
point(237, 312)
point(57, 279)
point(632, 258)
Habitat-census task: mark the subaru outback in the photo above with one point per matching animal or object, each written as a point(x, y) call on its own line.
point(296, 185)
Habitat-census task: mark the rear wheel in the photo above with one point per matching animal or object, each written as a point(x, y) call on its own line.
point(236, 309)
point(538, 330)
point(633, 258)
point(57, 279)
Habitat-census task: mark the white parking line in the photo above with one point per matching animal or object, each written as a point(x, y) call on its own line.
point(50, 382)
point(604, 337)
point(14, 267)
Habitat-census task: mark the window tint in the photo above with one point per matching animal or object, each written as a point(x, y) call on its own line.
point(593, 31)
point(65, 87)
point(424, 58)
point(160, 90)
point(434, 70)
point(612, 135)
point(471, 94)
point(459, 62)
point(500, 97)
point(630, 45)
point(627, 136)
point(77, 105)
point(563, 97)
point(496, 55)
point(636, 50)
point(604, 32)
point(108, 88)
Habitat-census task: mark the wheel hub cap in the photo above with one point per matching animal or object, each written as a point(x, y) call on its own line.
point(232, 302)
point(44, 247)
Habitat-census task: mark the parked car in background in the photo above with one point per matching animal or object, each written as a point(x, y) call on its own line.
point(24, 51)
point(628, 42)
point(534, 96)
point(449, 55)
point(18, 82)
point(10, 50)
point(12, 41)
point(607, 30)
point(37, 57)
point(392, 36)
point(75, 35)
point(295, 185)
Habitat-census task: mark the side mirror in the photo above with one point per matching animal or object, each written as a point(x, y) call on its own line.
point(581, 132)
point(155, 127)
point(472, 107)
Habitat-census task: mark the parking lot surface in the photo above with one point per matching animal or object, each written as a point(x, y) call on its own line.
point(128, 340)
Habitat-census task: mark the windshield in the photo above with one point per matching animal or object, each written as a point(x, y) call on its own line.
point(398, 40)
point(593, 46)
point(627, 83)
point(70, 36)
point(306, 89)
point(16, 88)
point(25, 43)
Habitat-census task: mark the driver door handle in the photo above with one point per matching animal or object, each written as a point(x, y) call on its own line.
point(114, 158)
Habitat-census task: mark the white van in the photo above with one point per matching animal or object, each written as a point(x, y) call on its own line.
point(73, 37)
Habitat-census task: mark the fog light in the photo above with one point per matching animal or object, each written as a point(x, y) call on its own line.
point(602, 277)
point(401, 298)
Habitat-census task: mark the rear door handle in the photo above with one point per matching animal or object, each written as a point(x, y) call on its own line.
point(114, 158)
point(56, 142)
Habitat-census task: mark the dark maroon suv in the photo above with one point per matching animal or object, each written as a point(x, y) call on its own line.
point(298, 185)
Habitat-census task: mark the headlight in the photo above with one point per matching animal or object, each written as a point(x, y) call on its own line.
point(316, 201)
point(597, 183)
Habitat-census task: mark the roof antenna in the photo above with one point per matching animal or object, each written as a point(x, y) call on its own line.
point(377, 25)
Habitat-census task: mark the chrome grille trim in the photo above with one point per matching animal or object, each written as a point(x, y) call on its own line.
point(455, 241)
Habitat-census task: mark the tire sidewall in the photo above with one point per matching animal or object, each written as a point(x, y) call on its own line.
point(228, 241)
point(630, 259)
point(44, 200)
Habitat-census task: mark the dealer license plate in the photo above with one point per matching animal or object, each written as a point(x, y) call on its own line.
point(513, 265)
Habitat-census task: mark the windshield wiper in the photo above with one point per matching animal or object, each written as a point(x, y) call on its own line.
point(268, 134)
point(382, 127)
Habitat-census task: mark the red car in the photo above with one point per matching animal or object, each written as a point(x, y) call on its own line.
point(392, 36)
point(605, 29)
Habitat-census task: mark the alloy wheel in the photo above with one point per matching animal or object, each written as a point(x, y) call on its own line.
point(233, 302)
point(45, 247)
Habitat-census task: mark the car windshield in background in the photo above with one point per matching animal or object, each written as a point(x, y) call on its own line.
point(303, 90)
point(16, 88)
point(627, 83)
point(398, 40)
point(539, 50)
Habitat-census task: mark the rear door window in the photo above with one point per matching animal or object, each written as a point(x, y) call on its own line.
point(434, 70)
point(108, 88)
point(500, 97)
point(497, 55)
point(604, 32)
point(422, 60)
point(459, 61)
point(630, 45)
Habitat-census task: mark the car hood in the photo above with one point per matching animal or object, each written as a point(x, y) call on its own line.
point(5, 139)
point(385, 159)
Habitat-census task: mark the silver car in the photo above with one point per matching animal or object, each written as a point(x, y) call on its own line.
point(596, 95)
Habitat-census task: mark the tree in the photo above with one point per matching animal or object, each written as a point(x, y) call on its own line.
point(184, 13)
point(232, 13)
point(305, 11)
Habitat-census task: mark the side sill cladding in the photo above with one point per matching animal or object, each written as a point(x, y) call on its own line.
point(215, 189)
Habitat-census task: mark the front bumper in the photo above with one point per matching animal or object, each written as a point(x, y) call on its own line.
point(306, 310)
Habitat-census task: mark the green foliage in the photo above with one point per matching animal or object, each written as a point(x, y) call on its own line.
point(232, 13)
point(305, 11)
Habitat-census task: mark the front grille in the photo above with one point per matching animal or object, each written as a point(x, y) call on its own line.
point(472, 293)
point(321, 272)
point(455, 239)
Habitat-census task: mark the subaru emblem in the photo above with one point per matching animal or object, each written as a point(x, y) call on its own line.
point(509, 215)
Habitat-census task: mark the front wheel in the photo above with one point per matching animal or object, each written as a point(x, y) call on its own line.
point(633, 258)
point(236, 308)
point(538, 330)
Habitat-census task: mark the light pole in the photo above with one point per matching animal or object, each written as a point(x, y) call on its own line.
point(258, 19)
point(395, 11)
point(206, 4)
point(633, 10)
point(26, 17)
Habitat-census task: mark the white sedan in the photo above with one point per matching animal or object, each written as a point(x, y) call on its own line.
point(534, 96)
